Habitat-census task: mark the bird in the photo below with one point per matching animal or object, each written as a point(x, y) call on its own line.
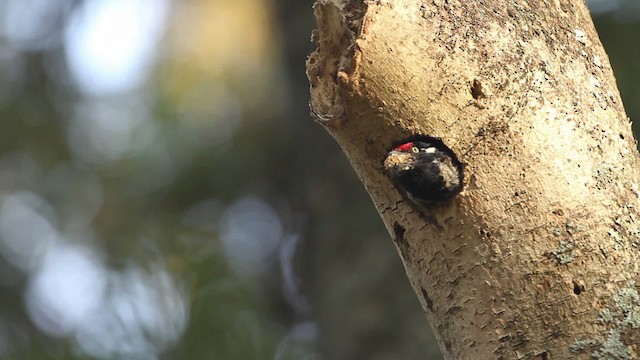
point(425, 170)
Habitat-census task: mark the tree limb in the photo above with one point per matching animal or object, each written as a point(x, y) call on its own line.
point(537, 257)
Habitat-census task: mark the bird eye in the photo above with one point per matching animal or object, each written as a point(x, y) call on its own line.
point(415, 149)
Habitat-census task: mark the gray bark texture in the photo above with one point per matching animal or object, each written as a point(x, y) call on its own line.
point(538, 256)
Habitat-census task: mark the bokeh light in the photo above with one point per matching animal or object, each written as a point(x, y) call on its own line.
point(110, 45)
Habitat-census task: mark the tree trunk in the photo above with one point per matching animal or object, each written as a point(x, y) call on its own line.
point(537, 257)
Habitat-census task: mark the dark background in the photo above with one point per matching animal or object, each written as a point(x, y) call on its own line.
point(164, 193)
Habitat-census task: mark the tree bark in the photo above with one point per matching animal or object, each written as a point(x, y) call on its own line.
point(537, 257)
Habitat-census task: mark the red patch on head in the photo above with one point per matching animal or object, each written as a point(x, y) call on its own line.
point(404, 147)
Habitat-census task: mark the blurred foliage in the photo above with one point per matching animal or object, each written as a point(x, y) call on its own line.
point(191, 209)
point(615, 34)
